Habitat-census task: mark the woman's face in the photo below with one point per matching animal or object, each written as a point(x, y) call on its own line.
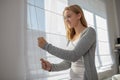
point(72, 19)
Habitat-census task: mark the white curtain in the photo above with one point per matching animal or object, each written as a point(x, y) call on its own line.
point(44, 19)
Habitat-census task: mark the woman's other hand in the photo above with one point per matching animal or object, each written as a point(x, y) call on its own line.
point(46, 65)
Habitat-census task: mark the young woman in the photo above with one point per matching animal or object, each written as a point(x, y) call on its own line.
point(80, 57)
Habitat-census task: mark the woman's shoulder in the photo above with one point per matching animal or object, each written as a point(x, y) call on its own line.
point(91, 29)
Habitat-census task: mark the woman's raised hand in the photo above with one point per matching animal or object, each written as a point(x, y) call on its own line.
point(41, 42)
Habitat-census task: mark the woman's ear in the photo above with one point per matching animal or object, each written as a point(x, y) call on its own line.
point(79, 15)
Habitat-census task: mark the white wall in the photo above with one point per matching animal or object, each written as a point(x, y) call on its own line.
point(12, 39)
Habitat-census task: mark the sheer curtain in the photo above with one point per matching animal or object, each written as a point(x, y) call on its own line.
point(44, 19)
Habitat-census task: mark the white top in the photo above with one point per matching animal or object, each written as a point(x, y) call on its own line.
point(77, 68)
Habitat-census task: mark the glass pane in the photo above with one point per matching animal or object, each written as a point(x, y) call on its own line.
point(89, 17)
point(54, 23)
point(104, 48)
point(55, 6)
point(106, 60)
point(30, 2)
point(39, 3)
point(102, 35)
point(28, 17)
point(57, 40)
point(101, 22)
point(40, 16)
point(33, 19)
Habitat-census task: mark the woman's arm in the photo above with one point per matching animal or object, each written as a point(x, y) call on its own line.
point(84, 44)
point(61, 66)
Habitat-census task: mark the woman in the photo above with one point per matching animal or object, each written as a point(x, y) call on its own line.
point(80, 57)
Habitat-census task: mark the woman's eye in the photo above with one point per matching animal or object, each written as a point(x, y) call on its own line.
point(69, 16)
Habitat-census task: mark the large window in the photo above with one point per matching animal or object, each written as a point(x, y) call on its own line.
point(103, 55)
point(45, 19)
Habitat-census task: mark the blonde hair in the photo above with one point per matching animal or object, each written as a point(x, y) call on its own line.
point(76, 9)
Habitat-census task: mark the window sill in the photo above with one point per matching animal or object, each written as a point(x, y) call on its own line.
point(105, 72)
point(103, 69)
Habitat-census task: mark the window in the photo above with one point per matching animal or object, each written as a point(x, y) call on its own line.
point(103, 42)
point(103, 55)
point(45, 19)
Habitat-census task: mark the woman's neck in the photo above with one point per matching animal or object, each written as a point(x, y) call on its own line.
point(79, 28)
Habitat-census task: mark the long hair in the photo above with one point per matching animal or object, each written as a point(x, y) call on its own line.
point(76, 9)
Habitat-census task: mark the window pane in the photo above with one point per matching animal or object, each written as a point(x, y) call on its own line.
point(101, 22)
point(103, 41)
point(30, 1)
point(55, 6)
point(40, 16)
point(102, 35)
point(39, 3)
point(54, 23)
point(33, 17)
point(104, 48)
point(89, 17)
point(106, 60)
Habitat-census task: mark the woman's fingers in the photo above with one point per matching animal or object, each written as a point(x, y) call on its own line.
point(41, 42)
point(42, 60)
point(45, 64)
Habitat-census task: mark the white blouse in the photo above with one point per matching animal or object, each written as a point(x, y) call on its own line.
point(77, 68)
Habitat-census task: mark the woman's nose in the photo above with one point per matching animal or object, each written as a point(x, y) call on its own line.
point(67, 20)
